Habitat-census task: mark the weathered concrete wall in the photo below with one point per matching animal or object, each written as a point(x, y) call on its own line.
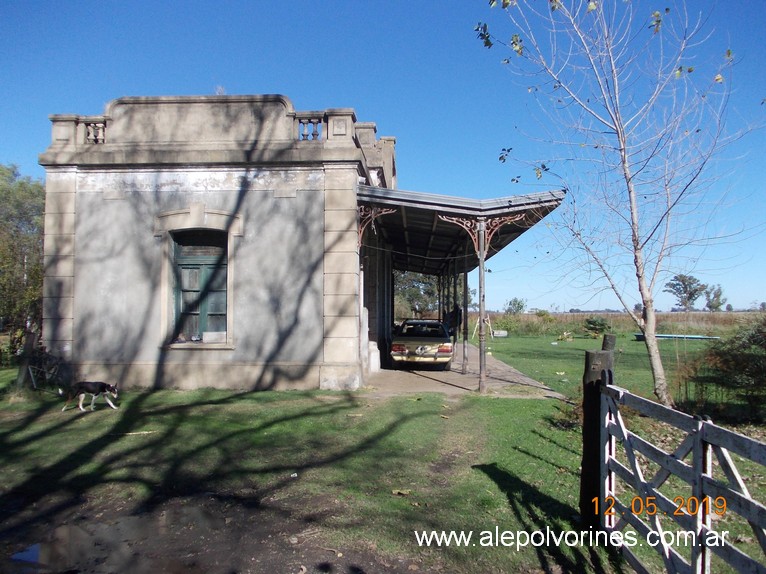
point(58, 253)
point(200, 121)
point(280, 183)
point(123, 298)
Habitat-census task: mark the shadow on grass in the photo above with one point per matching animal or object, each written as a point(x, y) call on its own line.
point(536, 511)
point(239, 448)
point(732, 412)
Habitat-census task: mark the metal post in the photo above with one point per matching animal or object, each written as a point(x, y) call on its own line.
point(448, 288)
point(481, 228)
point(439, 297)
point(477, 231)
point(465, 323)
point(454, 287)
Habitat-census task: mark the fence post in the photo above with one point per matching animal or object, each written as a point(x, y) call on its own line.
point(703, 466)
point(606, 453)
point(609, 343)
point(596, 362)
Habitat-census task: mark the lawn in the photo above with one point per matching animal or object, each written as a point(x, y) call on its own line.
point(374, 471)
point(389, 466)
point(564, 362)
point(563, 369)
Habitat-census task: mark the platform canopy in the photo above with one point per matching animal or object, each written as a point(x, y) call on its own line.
point(437, 234)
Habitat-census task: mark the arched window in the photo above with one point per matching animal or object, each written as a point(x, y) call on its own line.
point(200, 271)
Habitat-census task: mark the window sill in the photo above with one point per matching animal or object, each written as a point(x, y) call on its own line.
point(199, 347)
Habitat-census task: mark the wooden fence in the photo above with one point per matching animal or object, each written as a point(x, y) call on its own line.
point(674, 496)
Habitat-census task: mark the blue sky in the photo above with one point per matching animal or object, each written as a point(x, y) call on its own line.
point(414, 68)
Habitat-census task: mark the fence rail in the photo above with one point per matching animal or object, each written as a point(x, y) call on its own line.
point(707, 485)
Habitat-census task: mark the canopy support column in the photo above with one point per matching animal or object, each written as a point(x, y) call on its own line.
point(481, 230)
point(465, 323)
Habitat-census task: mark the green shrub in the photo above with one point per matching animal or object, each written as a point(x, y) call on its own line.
point(507, 322)
point(737, 366)
point(596, 326)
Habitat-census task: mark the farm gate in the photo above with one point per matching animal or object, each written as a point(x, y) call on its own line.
point(685, 495)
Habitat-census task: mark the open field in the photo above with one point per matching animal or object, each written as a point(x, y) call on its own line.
point(691, 323)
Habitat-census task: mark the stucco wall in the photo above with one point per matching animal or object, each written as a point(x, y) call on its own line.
point(281, 183)
point(122, 293)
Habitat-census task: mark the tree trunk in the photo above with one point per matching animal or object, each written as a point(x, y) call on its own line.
point(655, 360)
point(30, 344)
point(650, 317)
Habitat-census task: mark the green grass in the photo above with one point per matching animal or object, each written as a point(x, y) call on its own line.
point(7, 378)
point(385, 467)
point(373, 470)
point(545, 358)
point(560, 364)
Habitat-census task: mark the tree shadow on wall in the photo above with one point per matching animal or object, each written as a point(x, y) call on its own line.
point(60, 485)
point(281, 349)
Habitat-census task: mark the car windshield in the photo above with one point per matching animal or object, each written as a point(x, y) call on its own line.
point(424, 330)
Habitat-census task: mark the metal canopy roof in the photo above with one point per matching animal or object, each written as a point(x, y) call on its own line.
point(422, 241)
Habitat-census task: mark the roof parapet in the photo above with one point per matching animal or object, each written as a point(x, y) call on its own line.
point(231, 129)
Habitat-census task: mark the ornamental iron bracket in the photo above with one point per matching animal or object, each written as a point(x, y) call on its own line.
point(473, 226)
point(367, 216)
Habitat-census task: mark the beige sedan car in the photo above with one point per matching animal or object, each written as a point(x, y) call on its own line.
point(421, 343)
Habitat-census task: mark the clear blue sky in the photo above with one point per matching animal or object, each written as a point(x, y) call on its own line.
point(414, 68)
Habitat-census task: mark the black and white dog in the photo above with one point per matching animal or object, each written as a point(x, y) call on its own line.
point(92, 388)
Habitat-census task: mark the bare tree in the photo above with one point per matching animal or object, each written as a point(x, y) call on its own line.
point(639, 115)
